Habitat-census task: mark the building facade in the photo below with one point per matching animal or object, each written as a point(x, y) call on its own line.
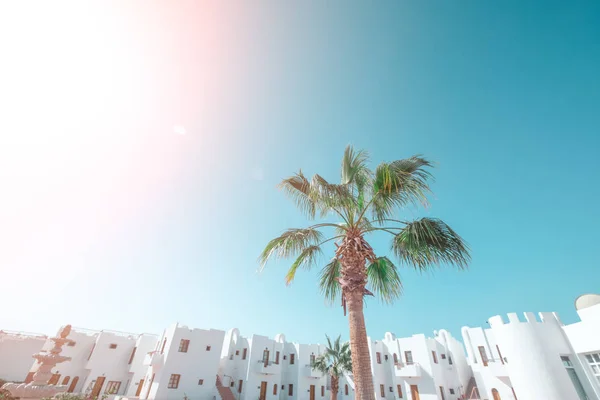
point(525, 358)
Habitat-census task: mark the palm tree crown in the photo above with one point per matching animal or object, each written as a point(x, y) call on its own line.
point(336, 360)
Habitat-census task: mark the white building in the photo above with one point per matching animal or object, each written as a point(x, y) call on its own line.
point(17, 349)
point(537, 358)
point(530, 359)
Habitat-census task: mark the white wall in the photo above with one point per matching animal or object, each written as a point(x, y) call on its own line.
point(16, 350)
point(195, 364)
point(137, 370)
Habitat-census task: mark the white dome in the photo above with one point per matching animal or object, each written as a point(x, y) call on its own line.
point(586, 301)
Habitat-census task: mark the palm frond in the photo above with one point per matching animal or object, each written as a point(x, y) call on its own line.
point(298, 188)
point(384, 279)
point(399, 184)
point(306, 259)
point(290, 243)
point(429, 242)
point(321, 364)
point(328, 283)
point(331, 197)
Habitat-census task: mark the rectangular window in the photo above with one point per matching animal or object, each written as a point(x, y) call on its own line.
point(174, 381)
point(200, 382)
point(385, 357)
point(275, 389)
point(240, 383)
point(434, 357)
point(207, 348)
point(237, 352)
point(408, 357)
point(162, 349)
point(290, 390)
point(442, 393)
point(183, 345)
point(399, 391)
point(244, 353)
point(284, 357)
point(593, 360)
point(574, 378)
point(292, 358)
point(378, 354)
point(113, 387)
point(276, 357)
point(346, 390)
point(132, 355)
point(112, 346)
point(382, 390)
point(451, 391)
point(391, 389)
point(322, 391)
point(450, 360)
point(443, 356)
point(483, 354)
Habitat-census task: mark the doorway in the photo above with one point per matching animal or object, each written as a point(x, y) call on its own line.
point(263, 391)
point(414, 392)
point(312, 392)
point(97, 387)
point(73, 385)
point(139, 389)
point(495, 394)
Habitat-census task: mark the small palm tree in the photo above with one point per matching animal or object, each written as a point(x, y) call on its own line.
point(336, 361)
point(365, 202)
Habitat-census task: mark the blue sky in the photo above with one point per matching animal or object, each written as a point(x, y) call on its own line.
point(161, 228)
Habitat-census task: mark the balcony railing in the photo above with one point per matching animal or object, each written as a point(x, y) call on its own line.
point(408, 370)
point(311, 372)
point(268, 368)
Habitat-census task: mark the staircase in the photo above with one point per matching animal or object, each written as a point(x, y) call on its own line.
point(472, 392)
point(224, 391)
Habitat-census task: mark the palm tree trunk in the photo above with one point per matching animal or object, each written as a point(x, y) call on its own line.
point(359, 346)
point(335, 386)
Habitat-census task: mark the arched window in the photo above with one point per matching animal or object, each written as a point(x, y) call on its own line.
point(66, 380)
point(495, 394)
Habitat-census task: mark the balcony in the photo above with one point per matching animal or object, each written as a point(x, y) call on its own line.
point(497, 368)
point(412, 370)
point(154, 359)
point(312, 373)
point(269, 368)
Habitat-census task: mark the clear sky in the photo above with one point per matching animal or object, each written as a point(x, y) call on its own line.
point(111, 218)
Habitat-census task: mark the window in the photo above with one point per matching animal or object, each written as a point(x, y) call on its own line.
point(66, 380)
point(395, 358)
point(54, 379)
point(231, 383)
point(574, 378)
point(391, 389)
point(207, 348)
point(237, 352)
point(174, 381)
point(385, 357)
point(284, 357)
point(162, 349)
point(346, 390)
point(450, 360)
point(408, 357)
point(292, 358)
point(434, 357)
point(276, 357)
point(322, 391)
point(451, 391)
point(594, 361)
point(113, 387)
point(442, 392)
point(265, 357)
point(183, 345)
point(443, 356)
point(378, 354)
point(132, 355)
point(112, 346)
point(500, 354)
point(240, 383)
point(71, 344)
point(275, 389)
point(244, 353)
point(382, 390)
point(312, 359)
point(483, 354)
point(200, 382)
point(290, 390)
point(399, 387)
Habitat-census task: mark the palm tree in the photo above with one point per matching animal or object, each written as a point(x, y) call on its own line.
point(335, 362)
point(365, 202)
